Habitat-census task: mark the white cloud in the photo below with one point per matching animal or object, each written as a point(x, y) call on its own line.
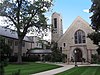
point(86, 10)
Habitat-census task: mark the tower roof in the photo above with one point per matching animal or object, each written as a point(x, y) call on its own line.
point(55, 13)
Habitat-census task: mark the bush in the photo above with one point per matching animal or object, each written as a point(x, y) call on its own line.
point(30, 58)
point(13, 59)
point(47, 57)
point(94, 58)
point(64, 57)
point(56, 55)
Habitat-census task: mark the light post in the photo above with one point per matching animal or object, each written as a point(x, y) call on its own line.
point(75, 55)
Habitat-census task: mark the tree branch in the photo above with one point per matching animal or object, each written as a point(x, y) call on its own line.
point(11, 19)
point(33, 16)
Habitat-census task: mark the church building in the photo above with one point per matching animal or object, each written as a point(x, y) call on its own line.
point(74, 41)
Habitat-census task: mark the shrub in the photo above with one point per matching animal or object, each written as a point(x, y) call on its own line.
point(47, 57)
point(13, 59)
point(30, 58)
point(94, 58)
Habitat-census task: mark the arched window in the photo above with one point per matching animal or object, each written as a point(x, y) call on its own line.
point(55, 22)
point(79, 37)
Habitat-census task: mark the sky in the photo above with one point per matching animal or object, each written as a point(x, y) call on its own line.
point(70, 9)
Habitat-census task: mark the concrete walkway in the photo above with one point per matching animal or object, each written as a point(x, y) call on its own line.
point(55, 71)
point(64, 68)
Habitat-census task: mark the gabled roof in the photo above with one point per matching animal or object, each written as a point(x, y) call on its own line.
point(78, 19)
point(11, 34)
point(73, 23)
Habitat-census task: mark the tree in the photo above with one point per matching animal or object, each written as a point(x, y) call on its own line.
point(25, 14)
point(95, 18)
point(95, 37)
point(56, 55)
point(95, 23)
point(4, 50)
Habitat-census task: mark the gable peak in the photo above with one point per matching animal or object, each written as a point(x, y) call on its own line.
point(78, 17)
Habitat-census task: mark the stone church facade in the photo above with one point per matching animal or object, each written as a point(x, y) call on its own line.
point(74, 39)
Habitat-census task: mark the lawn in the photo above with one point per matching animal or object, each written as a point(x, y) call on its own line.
point(29, 68)
point(86, 70)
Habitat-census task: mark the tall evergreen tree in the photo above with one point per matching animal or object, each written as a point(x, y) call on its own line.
point(95, 23)
point(25, 14)
point(56, 55)
point(95, 18)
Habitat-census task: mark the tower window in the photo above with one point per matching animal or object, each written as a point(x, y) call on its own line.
point(55, 22)
point(79, 37)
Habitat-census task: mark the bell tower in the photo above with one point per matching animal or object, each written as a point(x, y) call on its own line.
point(56, 28)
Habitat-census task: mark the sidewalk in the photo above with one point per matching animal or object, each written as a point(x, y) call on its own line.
point(55, 71)
point(64, 68)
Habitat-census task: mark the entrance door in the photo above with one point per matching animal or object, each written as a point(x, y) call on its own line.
point(78, 54)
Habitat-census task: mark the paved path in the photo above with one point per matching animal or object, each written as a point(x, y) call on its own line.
point(64, 68)
point(55, 71)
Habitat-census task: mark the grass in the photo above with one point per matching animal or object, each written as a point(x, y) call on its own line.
point(84, 70)
point(29, 68)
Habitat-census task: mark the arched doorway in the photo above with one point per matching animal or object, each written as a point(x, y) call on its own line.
point(78, 54)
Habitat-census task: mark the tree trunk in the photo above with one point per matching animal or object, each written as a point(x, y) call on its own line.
point(19, 51)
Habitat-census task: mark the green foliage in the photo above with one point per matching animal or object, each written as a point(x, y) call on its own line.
point(64, 57)
point(98, 50)
point(95, 37)
point(56, 55)
point(94, 59)
point(25, 14)
point(4, 50)
point(47, 57)
point(30, 58)
point(1, 67)
point(95, 18)
point(95, 23)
